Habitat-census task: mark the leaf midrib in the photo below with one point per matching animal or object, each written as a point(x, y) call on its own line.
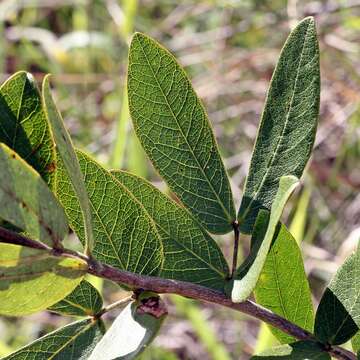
point(186, 141)
point(281, 137)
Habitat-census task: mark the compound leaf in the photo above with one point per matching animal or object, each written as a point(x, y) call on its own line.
point(288, 124)
point(299, 350)
point(125, 235)
point(190, 254)
point(31, 280)
point(23, 125)
point(283, 287)
point(248, 274)
point(174, 130)
point(338, 316)
point(69, 159)
point(72, 342)
point(84, 300)
point(27, 202)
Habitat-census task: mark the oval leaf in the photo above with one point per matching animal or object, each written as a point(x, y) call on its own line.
point(283, 287)
point(68, 157)
point(125, 235)
point(299, 350)
point(23, 125)
point(250, 271)
point(27, 202)
point(190, 254)
point(84, 300)
point(288, 124)
point(128, 336)
point(338, 316)
point(175, 132)
point(72, 342)
point(31, 280)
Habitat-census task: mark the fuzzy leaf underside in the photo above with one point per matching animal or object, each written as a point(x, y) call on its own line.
point(175, 132)
point(190, 254)
point(288, 124)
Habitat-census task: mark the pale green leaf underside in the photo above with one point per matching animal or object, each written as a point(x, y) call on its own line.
point(338, 315)
point(288, 124)
point(72, 342)
point(128, 336)
point(125, 236)
point(23, 125)
point(69, 159)
point(301, 350)
point(31, 280)
point(174, 130)
point(190, 254)
point(243, 287)
point(355, 342)
point(84, 300)
point(283, 287)
point(27, 202)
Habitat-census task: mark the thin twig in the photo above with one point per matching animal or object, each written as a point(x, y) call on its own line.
point(186, 289)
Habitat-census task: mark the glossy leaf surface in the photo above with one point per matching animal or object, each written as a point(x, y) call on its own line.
point(190, 254)
point(174, 130)
point(288, 124)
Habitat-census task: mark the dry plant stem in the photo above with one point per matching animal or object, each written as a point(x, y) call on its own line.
point(167, 286)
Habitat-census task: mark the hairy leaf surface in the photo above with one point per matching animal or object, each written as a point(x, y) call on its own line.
point(84, 300)
point(125, 235)
point(288, 124)
point(72, 342)
point(68, 157)
point(31, 280)
point(128, 336)
point(27, 202)
point(23, 125)
point(299, 350)
point(174, 130)
point(283, 287)
point(338, 315)
point(248, 274)
point(190, 254)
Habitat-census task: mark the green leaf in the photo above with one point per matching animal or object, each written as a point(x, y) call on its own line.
point(125, 235)
point(283, 287)
point(288, 124)
point(31, 280)
point(174, 130)
point(248, 274)
point(23, 125)
point(68, 157)
point(338, 316)
point(72, 342)
point(190, 254)
point(84, 300)
point(300, 350)
point(27, 202)
point(355, 342)
point(128, 336)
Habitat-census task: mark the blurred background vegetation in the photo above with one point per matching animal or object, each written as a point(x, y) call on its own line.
point(229, 49)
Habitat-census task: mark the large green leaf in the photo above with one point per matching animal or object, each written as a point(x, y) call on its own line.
point(283, 287)
point(31, 280)
point(288, 124)
point(190, 254)
point(84, 300)
point(72, 342)
point(27, 202)
point(125, 236)
point(248, 274)
point(68, 157)
point(23, 125)
point(174, 130)
point(128, 336)
point(300, 350)
point(338, 316)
